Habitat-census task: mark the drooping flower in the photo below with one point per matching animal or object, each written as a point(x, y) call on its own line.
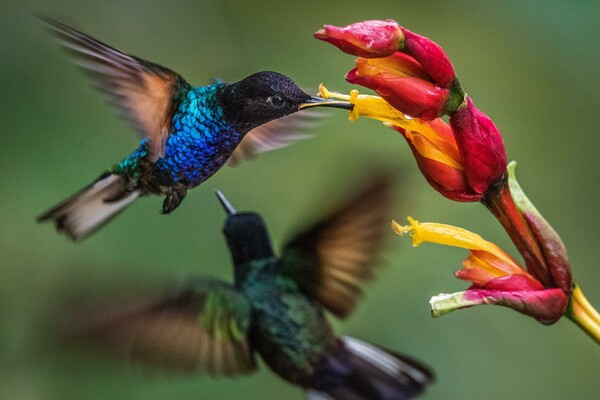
point(446, 165)
point(496, 277)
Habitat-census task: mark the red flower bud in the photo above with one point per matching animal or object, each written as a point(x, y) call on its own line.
point(364, 39)
point(480, 145)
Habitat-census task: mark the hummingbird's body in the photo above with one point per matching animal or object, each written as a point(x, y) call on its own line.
point(187, 133)
point(276, 309)
point(201, 141)
point(288, 330)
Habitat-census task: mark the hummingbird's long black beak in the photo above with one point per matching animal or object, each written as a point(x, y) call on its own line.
point(225, 203)
point(320, 102)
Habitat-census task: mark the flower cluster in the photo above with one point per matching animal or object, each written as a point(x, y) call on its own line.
point(464, 160)
point(415, 76)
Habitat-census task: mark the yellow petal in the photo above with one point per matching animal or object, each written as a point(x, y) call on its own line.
point(429, 149)
point(452, 236)
point(491, 264)
point(396, 66)
point(372, 107)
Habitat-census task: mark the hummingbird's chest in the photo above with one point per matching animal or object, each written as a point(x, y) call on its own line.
point(289, 330)
point(201, 140)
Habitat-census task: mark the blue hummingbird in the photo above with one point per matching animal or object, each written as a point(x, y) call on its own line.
point(187, 132)
point(275, 308)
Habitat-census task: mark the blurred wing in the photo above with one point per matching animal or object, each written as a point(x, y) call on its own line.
point(276, 134)
point(332, 259)
point(145, 93)
point(202, 328)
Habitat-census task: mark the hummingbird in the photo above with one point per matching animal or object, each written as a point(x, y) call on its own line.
point(274, 309)
point(187, 132)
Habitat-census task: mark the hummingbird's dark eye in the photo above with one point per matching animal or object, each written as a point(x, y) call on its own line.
point(276, 100)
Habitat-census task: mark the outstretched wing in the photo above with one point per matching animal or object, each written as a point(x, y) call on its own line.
point(276, 134)
point(201, 328)
point(146, 94)
point(332, 259)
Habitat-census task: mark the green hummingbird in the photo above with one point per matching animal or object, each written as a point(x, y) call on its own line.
point(187, 132)
point(275, 309)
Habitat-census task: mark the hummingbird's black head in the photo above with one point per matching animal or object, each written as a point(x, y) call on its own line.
point(246, 235)
point(265, 96)
point(247, 238)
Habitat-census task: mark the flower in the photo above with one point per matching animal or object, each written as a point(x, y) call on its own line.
point(418, 80)
point(410, 71)
point(445, 164)
point(377, 38)
point(403, 83)
point(365, 39)
point(496, 277)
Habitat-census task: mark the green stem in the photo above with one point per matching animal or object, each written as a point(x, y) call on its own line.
point(583, 314)
point(499, 201)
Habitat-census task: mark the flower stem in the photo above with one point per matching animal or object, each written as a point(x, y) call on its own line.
point(582, 313)
point(499, 201)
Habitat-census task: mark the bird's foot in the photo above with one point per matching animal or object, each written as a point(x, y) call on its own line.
point(173, 199)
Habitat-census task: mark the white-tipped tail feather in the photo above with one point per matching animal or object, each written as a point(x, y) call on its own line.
point(362, 371)
point(392, 364)
point(92, 207)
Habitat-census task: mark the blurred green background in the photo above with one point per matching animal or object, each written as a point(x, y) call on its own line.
point(532, 66)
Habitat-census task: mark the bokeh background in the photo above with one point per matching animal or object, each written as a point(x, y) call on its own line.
point(531, 65)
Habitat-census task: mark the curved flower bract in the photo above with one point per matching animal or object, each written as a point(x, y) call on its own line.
point(431, 56)
point(551, 245)
point(496, 277)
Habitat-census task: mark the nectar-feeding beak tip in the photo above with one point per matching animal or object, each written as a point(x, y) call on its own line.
point(320, 102)
point(225, 203)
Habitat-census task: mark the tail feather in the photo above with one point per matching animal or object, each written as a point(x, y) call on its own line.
point(90, 208)
point(362, 371)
